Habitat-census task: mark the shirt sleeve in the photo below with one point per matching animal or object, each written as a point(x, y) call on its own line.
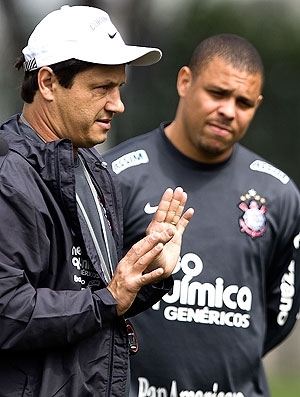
point(283, 281)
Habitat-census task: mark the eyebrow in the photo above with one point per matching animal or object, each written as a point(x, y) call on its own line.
point(227, 92)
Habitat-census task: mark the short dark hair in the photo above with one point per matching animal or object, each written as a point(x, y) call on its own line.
point(65, 72)
point(234, 49)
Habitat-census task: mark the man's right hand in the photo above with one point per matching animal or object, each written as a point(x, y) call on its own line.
point(155, 256)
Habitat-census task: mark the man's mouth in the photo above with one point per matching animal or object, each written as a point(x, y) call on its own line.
point(220, 129)
point(104, 123)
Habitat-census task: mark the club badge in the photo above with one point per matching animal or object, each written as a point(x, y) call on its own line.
point(253, 220)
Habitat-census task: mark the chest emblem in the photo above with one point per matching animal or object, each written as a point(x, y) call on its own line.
point(253, 219)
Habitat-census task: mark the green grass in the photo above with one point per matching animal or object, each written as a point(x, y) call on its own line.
point(285, 387)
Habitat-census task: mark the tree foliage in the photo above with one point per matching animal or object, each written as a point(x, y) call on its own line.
point(177, 26)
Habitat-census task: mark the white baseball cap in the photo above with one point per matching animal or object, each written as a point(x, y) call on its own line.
point(83, 33)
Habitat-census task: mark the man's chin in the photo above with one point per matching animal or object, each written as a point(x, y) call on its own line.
point(98, 140)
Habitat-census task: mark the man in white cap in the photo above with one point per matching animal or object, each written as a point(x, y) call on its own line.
point(66, 292)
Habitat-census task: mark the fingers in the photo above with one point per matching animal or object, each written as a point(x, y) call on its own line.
point(155, 256)
point(132, 274)
point(144, 251)
point(152, 277)
point(171, 206)
point(176, 206)
point(184, 220)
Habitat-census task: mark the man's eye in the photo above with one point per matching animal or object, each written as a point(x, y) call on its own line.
point(245, 104)
point(217, 94)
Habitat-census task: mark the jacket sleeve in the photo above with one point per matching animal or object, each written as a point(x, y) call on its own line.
point(149, 295)
point(283, 278)
point(34, 311)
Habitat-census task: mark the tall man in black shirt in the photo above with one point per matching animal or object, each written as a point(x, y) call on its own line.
point(237, 283)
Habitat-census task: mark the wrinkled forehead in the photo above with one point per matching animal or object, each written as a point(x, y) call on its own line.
point(219, 70)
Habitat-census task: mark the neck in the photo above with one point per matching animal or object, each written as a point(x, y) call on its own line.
point(177, 135)
point(24, 120)
point(36, 118)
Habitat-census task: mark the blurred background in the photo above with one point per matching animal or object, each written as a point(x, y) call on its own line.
point(176, 27)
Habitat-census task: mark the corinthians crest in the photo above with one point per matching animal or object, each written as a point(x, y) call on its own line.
point(253, 220)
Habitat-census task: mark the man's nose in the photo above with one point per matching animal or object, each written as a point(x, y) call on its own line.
point(114, 103)
point(227, 108)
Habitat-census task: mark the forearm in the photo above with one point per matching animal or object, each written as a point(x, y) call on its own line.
point(32, 319)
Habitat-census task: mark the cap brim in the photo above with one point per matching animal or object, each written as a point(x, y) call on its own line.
point(131, 55)
point(147, 56)
point(125, 54)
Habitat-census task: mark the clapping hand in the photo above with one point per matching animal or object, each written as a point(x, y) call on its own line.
point(155, 256)
point(169, 214)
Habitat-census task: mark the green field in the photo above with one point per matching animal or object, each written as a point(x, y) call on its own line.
point(285, 387)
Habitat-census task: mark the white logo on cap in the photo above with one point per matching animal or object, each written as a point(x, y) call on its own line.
point(112, 35)
point(97, 22)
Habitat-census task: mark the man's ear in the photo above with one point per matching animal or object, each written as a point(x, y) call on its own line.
point(184, 80)
point(46, 77)
point(259, 101)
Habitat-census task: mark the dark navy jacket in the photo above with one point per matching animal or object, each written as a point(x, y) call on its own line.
point(56, 338)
